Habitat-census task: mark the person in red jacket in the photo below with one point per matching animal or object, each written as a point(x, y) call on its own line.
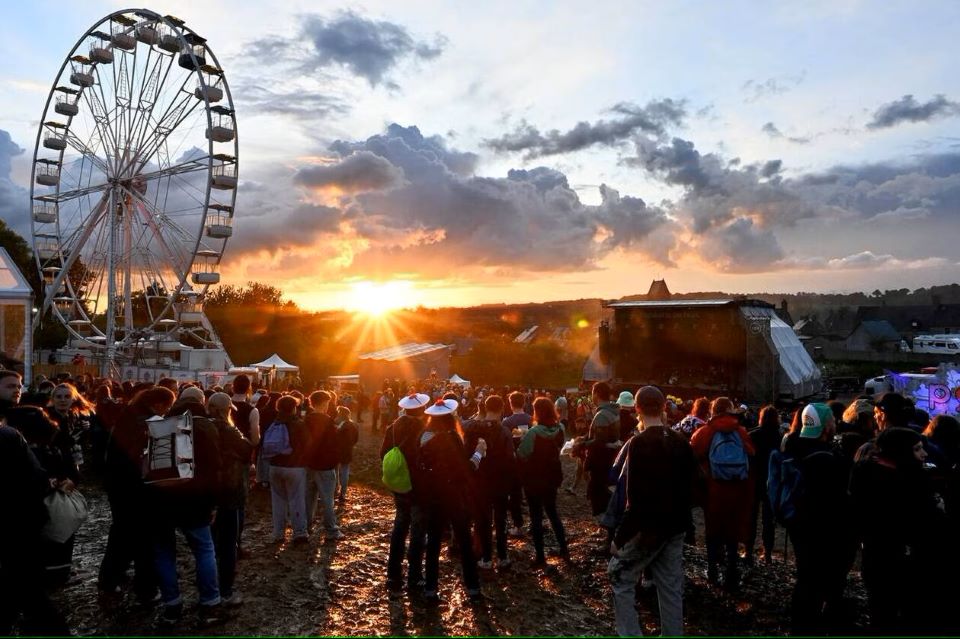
point(729, 488)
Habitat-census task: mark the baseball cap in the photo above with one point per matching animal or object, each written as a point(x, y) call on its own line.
point(814, 418)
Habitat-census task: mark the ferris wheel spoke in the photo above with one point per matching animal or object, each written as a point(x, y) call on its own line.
point(64, 196)
point(82, 235)
point(190, 166)
point(87, 152)
point(175, 116)
point(177, 262)
point(165, 219)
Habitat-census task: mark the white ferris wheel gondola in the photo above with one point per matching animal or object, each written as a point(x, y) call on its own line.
point(134, 184)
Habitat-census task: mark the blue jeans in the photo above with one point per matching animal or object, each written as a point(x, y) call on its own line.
point(288, 499)
point(165, 553)
point(343, 476)
point(408, 519)
point(323, 482)
point(226, 530)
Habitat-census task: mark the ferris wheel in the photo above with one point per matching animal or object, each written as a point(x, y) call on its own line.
point(134, 184)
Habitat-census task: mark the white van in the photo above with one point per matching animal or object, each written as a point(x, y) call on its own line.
point(939, 344)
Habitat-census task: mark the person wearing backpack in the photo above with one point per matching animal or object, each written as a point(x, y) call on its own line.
point(541, 473)
point(495, 478)
point(404, 435)
point(189, 508)
point(247, 419)
point(446, 471)
point(811, 500)
point(723, 448)
point(285, 443)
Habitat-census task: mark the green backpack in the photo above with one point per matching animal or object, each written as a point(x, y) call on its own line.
point(396, 473)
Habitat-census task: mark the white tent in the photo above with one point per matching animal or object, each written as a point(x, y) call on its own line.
point(275, 362)
point(16, 307)
point(459, 381)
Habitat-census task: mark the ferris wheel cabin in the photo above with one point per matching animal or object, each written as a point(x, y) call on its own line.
point(81, 73)
point(123, 33)
point(44, 212)
point(206, 268)
point(219, 221)
point(224, 175)
point(48, 172)
point(66, 101)
point(100, 51)
point(222, 129)
point(56, 137)
point(193, 53)
point(207, 87)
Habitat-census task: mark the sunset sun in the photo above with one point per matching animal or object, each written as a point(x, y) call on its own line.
point(379, 298)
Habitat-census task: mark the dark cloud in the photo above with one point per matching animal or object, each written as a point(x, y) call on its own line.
point(298, 102)
point(757, 90)
point(771, 168)
point(653, 119)
point(275, 229)
point(442, 213)
point(771, 129)
point(907, 109)
point(359, 171)
point(370, 49)
point(14, 199)
point(739, 246)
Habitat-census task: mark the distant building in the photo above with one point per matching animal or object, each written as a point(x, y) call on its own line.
point(910, 321)
point(874, 335)
point(658, 291)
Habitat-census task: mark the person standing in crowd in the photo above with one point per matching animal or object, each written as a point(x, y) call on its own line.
point(563, 411)
point(288, 473)
point(23, 486)
point(11, 388)
point(321, 460)
point(539, 455)
point(517, 423)
point(348, 434)
point(602, 445)
point(892, 410)
point(129, 539)
point(902, 530)
point(375, 410)
point(72, 412)
point(408, 515)
point(446, 473)
point(699, 414)
point(189, 508)
point(628, 416)
point(247, 421)
point(766, 439)
point(494, 480)
point(661, 471)
point(823, 561)
point(723, 448)
point(235, 450)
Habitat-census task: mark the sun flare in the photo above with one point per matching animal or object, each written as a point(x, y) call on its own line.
point(379, 298)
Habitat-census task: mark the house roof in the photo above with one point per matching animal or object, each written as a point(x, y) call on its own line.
point(403, 351)
point(914, 317)
point(880, 330)
point(688, 303)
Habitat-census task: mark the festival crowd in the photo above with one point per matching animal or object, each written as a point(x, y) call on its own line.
point(872, 483)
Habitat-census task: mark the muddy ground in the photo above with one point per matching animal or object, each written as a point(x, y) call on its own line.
point(338, 589)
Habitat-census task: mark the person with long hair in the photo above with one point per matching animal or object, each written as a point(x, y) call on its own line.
point(71, 411)
point(766, 438)
point(235, 451)
point(902, 531)
point(539, 455)
point(446, 470)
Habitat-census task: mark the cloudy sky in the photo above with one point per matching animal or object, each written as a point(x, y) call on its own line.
point(529, 151)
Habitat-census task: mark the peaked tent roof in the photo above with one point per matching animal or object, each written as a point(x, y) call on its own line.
point(275, 361)
point(456, 379)
point(13, 285)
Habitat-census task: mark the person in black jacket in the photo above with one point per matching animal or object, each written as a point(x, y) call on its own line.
point(321, 459)
point(235, 450)
point(23, 485)
point(902, 529)
point(446, 471)
point(347, 436)
point(494, 480)
point(661, 471)
point(766, 438)
point(288, 473)
point(539, 455)
point(408, 514)
point(823, 559)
